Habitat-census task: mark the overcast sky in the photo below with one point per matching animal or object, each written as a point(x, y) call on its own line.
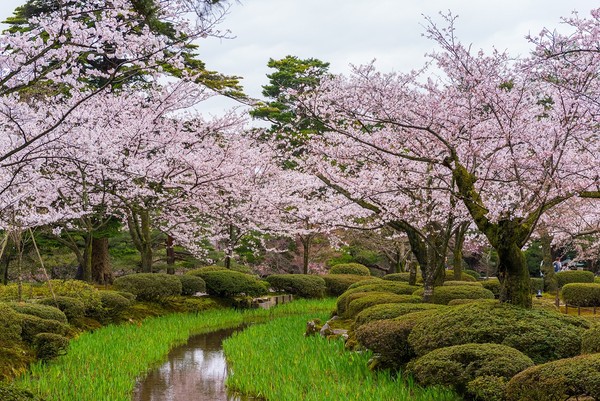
point(345, 32)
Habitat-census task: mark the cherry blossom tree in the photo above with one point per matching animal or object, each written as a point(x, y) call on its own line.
point(484, 131)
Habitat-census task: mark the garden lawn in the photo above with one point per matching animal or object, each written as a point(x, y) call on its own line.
point(104, 365)
point(276, 362)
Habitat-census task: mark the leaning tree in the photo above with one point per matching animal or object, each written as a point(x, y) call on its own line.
point(510, 142)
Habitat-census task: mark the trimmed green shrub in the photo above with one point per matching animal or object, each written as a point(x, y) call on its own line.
point(375, 298)
point(86, 293)
point(303, 285)
point(597, 280)
point(443, 295)
point(389, 338)
point(32, 325)
point(487, 388)
point(476, 275)
point(390, 311)
point(336, 284)
point(39, 310)
point(198, 271)
point(228, 283)
point(464, 276)
point(559, 380)
point(73, 308)
point(127, 295)
point(397, 277)
point(149, 286)
point(367, 281)
point(191, 284)
point(459, 365)
point(451, 283)
point(590, 340)
point(380, 286)
point(536, 284)
point(11, 393)
point(460, 301)
point(113, 303)
point(581, 294)
point(492, 284)
point(10, 292)
point(350, 268)
point(48, 346)
point(10, 325)
point(573, 276)
point(542, 335)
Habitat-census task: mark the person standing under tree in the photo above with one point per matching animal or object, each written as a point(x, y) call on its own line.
point(557, 265)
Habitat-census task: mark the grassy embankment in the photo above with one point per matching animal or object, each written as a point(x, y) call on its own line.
point(285, 366)
point(103, 365)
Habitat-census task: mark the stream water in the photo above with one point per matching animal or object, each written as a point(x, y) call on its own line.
point(195, 371)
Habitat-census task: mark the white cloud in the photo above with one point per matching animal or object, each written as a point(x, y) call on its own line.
point(357, 31)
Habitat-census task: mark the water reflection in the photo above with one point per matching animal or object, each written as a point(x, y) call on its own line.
point(195, 371)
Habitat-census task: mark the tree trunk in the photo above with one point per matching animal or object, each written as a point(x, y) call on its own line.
point(5, 272)
point(170, 255)
point(412, 269)
point(228, 260)
point(506, 236)
point(429, 258)
point(306, 240)
point(457, 250)
point(513, 272)
point(86, 267)
point(547, 268)
point(138, 222)
point(101, 271)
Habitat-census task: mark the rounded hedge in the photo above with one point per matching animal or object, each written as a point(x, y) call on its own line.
point(590, 340)
point(127, 295)
point(389, 338)
point(367, 281)
point(542, 335)
point(444, 294)
point(303, 285)
point(33, 325)
point(460, 301)
point(390, 311)
point(537, 284)
point(451, 283)
point(492, 284)
point(581, 294)
point(336, 284)
point(380, 286)
point(10, 324)
point(475, 274)
point(149, 286)
point(463, 277)
point(350, 268)
point(228, 283)
point(73, 308)
point(573, 276)
point(397, 277)
point(86, 293)
point(191, 284)
point(375, 298)
point(459, 365)
point(113, 303)
point(48, 346)
point(39, 310)
point(569, 378)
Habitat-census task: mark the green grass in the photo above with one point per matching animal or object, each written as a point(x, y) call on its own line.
point(274, 361)
point(103, 365)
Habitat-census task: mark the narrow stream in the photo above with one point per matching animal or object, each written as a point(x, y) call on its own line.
point(195, 371)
